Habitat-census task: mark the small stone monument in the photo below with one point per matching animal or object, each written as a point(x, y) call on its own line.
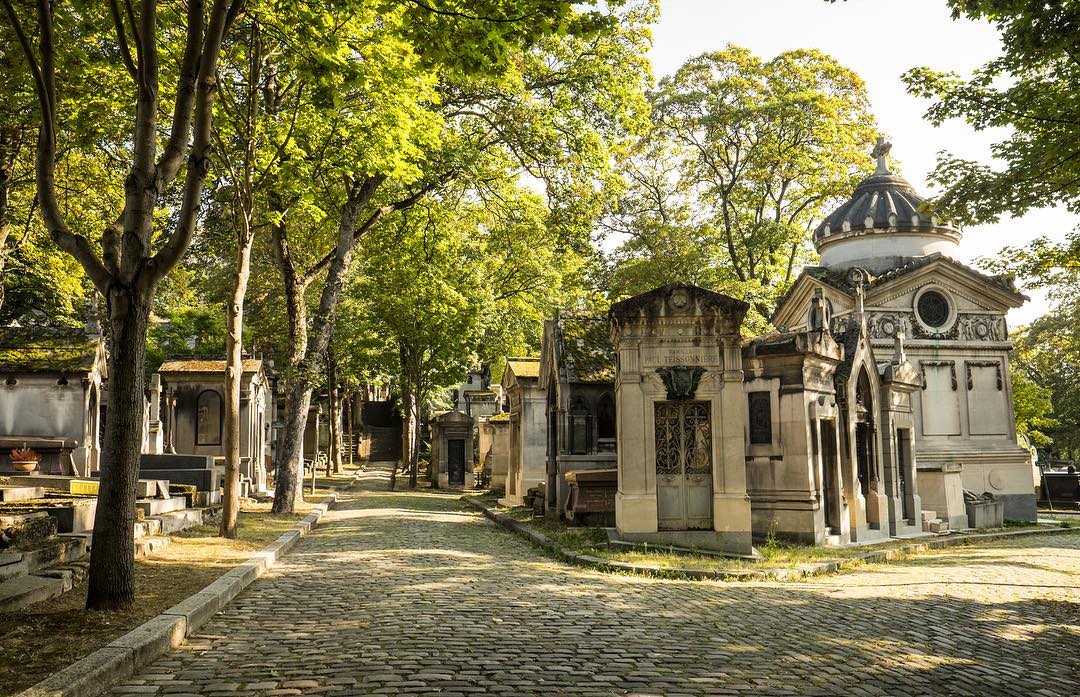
point(681, 415)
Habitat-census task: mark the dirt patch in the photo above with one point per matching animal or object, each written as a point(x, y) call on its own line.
point(39, 640)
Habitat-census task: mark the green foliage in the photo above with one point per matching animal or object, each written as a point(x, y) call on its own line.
point(1032, 91)
point(745, 156)
point(1047, 355)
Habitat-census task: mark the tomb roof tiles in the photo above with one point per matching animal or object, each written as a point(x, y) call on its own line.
point(524, 367)
point(205, 365)
point(47, 349)
point(587, 353)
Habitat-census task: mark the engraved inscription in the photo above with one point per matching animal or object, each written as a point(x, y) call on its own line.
point(678, 355)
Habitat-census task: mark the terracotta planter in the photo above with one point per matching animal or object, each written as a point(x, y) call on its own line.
point(24, 465)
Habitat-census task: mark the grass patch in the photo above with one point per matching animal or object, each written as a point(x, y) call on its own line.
point(775, 553)
point(39, 640)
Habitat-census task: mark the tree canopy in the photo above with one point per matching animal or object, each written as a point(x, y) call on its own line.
point(745, 156)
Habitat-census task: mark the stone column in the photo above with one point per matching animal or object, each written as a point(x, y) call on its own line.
point(155, 433)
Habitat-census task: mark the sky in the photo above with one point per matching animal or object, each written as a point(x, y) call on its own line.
point(880, 41)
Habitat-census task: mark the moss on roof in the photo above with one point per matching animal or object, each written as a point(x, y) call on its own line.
point(499, 417)
point(587, 352)
point(47, 350)
point(524, 367)
point(205, 365)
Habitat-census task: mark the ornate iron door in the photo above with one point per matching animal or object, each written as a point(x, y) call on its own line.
point(683, 466)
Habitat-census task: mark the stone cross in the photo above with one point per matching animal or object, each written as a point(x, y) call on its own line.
point(899, 355)
point(881, 153)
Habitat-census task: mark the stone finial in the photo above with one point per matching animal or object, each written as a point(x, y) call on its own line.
point(881, 154)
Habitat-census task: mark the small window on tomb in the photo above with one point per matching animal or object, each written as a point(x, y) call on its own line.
point(760, 404)
point(208, 418)
point(933, 309)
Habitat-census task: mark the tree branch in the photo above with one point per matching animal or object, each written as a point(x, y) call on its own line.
point(121, 40)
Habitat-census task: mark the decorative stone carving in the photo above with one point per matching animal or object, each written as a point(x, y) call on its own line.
point(886, 325)
point(980, 328)
point(681, 381)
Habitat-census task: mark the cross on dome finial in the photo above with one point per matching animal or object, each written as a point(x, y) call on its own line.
point(881, 153)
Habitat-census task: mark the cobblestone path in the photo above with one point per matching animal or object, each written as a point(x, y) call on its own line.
point(406, 593)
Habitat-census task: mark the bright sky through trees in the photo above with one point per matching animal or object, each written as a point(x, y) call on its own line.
point(879, 42)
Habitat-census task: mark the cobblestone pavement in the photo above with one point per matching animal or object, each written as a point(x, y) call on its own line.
point(406, 593)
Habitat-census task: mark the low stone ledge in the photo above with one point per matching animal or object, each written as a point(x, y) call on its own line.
point(94, 674)
point(86, 677)
point(778, 574)
point(152, 638)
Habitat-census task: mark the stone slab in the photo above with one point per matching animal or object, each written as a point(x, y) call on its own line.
point(48, 481)
point(21, 493)
point(175, 462)
point(159, 506)
point(201, 479)
point(78, 517)
point(26, 590)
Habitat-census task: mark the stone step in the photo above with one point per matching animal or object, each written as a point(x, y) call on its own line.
point(21, 493)
point(27, 590)
point(939, 526)
point(152, 507)
point(175, 521)
point(12, 565)
point(927, 516)
point(149, 545)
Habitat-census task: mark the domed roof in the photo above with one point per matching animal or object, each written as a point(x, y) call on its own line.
point(883, 202)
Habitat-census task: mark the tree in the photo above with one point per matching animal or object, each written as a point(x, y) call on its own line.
point(449, 105)
point(764, 148)
point(1047, 354)
point(1033, 90)
point(132, 260)
point(457, 279)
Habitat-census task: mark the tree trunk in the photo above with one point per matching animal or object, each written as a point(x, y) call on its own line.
point(333, 464)
point(112, 564)
point(234, 372)
point(289, 467)
point(414, 452)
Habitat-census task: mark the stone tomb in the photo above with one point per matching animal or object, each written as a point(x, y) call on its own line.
point(679, 404)
point(452, 450)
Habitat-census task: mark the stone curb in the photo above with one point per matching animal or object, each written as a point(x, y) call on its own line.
point(120, 658)
point(798, 572)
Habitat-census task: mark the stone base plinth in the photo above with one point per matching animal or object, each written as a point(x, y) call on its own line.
point(732, 543)
point(635, 513)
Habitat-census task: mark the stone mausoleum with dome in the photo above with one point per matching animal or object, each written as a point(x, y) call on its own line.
point(884, 393)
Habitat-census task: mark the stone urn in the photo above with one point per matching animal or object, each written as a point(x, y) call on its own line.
point(24, 459)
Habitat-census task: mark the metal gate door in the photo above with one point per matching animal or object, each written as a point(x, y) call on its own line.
point(683, 466)
point(455, 460)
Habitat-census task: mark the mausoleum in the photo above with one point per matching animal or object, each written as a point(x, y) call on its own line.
point(528, 428)
point(679, 400)
point(51, 397)
point(193, 393)
point(452, 450)
point(577, 378)
point(924, 406)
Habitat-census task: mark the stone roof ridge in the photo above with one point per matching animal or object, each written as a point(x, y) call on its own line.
point(641, 300)
point(914, 263)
